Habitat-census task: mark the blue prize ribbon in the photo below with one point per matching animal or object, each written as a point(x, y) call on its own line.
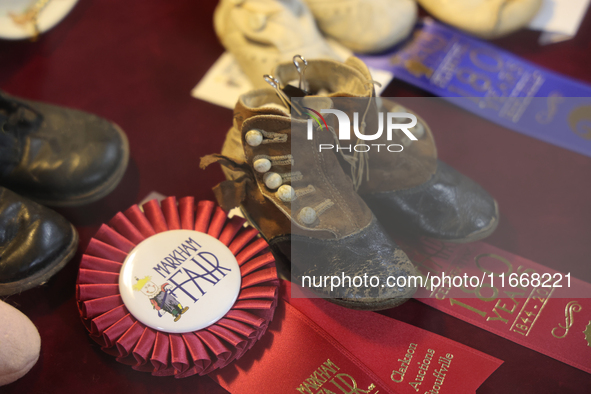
point(493, 84)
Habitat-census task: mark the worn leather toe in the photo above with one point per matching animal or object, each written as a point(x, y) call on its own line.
point(35, 242)
point(67, 157)
point(449, 206)
point(366, 254)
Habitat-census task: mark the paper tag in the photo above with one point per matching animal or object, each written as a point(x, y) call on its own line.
point(559, 19)
point(560, 16)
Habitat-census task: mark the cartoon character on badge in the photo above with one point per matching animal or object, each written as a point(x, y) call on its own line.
point(161, 297)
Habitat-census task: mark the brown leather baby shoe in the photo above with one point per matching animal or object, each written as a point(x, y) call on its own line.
point(310, 216)
point(410, 190)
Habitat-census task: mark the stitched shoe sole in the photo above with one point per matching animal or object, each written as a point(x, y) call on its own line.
point(100, 191)
point(43, 276)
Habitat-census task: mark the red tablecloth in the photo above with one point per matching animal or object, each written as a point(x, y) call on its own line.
point(135, 62)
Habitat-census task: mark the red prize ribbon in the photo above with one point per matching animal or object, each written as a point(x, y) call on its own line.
point(555, 321)
point(315, 346)
point(120, 334)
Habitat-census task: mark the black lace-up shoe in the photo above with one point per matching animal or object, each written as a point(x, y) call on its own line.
point(35, 243)
point(58, 156)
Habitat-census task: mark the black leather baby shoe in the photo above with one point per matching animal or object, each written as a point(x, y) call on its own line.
point(58, 156)
point(35, 243)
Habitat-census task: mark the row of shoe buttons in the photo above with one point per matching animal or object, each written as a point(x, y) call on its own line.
point(273, 180)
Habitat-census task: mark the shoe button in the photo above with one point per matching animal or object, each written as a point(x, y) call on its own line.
point(254, 138)
point(262, 165)
point(307, 215)
point(286, 193)
point(273, 180)
point(418, 131)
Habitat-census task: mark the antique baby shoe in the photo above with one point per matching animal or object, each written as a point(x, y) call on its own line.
point(365, 26)
point(19, 345)
point(484, 18)
point(58, 156)
point(310, 216)
point(262, 33)
point(410, 190)
point(35, 243)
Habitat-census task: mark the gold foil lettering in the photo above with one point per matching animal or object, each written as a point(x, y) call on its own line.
point(470, 308)
point(398, 375)
point(571, 308)
point(579, 119)
point(318, 378)
point(496, 257)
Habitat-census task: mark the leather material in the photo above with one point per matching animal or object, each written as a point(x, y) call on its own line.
point(33, 239)
point(58, 155)
point(450, 206)
point(319, 171)
point(344, 237)
point(411, 190)
point(369, 252)
point(351, 84)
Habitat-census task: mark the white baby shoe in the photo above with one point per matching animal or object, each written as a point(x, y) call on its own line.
point(365, 26)
point(484, 18)
point(20, 344)
point(263, 33)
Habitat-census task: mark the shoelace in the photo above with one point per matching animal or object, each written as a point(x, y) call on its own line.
point(14, 114)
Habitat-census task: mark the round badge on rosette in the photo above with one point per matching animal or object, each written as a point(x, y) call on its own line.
point(177, 289)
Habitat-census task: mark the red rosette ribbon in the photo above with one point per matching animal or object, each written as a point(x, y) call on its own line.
point(163, 354)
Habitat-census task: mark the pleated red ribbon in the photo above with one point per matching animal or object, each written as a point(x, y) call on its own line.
point(112, 326)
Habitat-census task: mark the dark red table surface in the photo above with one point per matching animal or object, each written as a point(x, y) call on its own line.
point(135, 62)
